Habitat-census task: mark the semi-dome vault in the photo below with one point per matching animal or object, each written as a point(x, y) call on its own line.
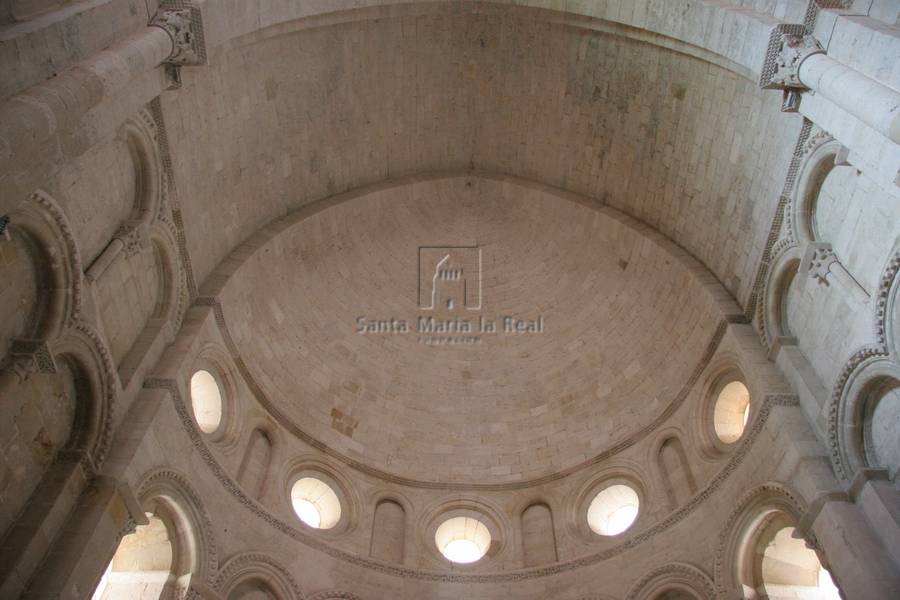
point(449, 299)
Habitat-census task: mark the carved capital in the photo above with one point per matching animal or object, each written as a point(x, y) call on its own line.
point(134, 237)
point(31, 356)
point(127, 528)
point(820, 262)
point(789, 45)
point(184, 24)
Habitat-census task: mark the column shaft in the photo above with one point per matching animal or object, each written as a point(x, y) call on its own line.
point(31, 118)
point(871, 102)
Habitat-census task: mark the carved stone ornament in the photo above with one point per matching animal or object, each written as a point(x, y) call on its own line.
point(820, 264)
point(134, 237)
point(789, 45)
point(184, 24)
point(128, 527)
point(31, 356)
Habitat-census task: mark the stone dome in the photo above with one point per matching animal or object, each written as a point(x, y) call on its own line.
point(596, 330)
point(389, 299)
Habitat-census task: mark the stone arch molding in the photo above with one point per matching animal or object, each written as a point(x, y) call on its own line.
point(141, 136)
point(785, 269)
point(251, 566)
point(819, 155)
point(175, 486)
point(851, 427)
point(795, 245)
point(725, 368)
point(82, 343)
point(148, 227)
point(63, 332)
point(845, 403)
point(41, 218)
point(816, 151)
point(231, 265)
point(679, 576)
point(764, 498)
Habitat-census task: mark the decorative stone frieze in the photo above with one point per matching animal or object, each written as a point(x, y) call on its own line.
point(334, 595)
point(817, 6)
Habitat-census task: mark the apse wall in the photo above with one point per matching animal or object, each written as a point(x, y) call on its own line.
point(577, 104)
point(620, 324)
point(138, 190)
point(713, 479)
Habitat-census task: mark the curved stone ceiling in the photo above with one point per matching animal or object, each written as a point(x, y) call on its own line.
point(621, 325)
point(306, 109)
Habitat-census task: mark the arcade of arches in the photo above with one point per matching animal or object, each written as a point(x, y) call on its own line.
point(388, 299)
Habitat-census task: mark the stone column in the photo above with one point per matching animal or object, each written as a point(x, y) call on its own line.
point(130, 239)
point(835, 524)
point(872, 103)
point(33, 119)
point(877, 498)
point(796, 62)
point(31, 536)
point(860, 564)
point(105, 513)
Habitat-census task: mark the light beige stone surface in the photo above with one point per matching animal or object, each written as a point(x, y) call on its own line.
point(623, 178)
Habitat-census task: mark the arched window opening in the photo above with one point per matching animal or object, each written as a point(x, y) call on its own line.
point(315, 503)
point(142, 565)
point(206, 400)
point(463, 540)
point(732, 412)
point(614, 510)
point(786, 568)
point(773, 561)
